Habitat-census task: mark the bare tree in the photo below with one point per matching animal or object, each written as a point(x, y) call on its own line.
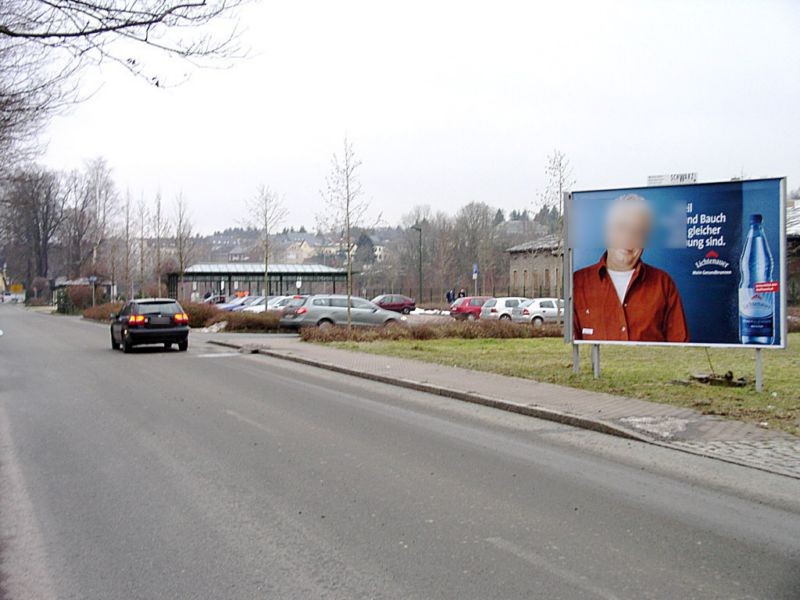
point(160, 229)
point(87, 29)
point(32, 210)
point(92, 208)
point(32, 88)
point(345, 208)
point(45, 45)
point(184, 242)
point(559, 180)
point(127, 244)
point(267, 212)
point(142, 214)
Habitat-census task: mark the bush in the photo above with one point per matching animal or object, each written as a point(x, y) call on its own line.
point(37, 302)
point(80, 296)
point(102, 312)
point(455, 329)
point(200, 314)
point(248, 321)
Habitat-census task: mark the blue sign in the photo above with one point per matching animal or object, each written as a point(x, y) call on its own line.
point(687, 264)
point(474, 268)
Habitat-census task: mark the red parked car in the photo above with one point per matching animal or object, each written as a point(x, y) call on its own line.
point(395, 302)
point(468, 308)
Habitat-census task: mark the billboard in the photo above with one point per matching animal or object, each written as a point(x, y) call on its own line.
point(691, 264)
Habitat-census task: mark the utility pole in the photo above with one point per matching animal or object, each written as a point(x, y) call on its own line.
point(418, 229)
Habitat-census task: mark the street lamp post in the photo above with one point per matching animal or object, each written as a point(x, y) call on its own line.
point(418, 229)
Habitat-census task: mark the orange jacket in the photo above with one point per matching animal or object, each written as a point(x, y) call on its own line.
point(652, 310)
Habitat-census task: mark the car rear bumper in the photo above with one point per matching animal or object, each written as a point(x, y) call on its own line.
point(165, 335)
point(289, 323)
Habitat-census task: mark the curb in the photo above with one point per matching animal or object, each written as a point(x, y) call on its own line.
point(597, 425)
point(523, 409)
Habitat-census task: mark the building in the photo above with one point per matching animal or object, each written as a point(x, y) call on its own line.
point(535, 268)
point(248, 278)
point(793, 252)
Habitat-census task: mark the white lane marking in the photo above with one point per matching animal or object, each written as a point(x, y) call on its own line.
point(256, 424)
point(540, 562)
point(219, 355)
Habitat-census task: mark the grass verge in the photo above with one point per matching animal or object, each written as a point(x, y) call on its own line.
point(651, 373)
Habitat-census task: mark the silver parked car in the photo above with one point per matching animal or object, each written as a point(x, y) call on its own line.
point(499, 309)
point(539, 311)
point(325, 310)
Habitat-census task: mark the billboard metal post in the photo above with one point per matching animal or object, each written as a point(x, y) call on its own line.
point(576, 359)
point(759, 371)
point(596, 360)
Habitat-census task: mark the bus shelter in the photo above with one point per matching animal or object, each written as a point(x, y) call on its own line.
point(248, 278)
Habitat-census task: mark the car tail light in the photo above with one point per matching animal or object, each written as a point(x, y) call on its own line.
point(525, 311)
point(301, 311)
point(136, 320)
point(494, 310)
point(181, 319)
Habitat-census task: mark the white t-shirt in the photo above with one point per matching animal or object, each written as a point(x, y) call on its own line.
point(620, 279)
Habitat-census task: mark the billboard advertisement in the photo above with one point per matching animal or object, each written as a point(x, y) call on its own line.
point(681, 264)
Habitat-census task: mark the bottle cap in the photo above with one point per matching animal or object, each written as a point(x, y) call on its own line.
point(755, 219)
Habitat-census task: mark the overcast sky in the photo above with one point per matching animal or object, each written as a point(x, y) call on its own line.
point(450, 102)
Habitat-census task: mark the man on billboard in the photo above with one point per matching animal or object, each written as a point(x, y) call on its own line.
point(622, 298)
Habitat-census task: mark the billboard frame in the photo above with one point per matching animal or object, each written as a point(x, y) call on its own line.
point(568, 271)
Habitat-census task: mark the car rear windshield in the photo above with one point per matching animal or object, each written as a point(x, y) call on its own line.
point(490, 303)
point(296, 302)
point(155, 308)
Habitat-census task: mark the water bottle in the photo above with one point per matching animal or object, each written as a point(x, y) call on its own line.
point(756, 304)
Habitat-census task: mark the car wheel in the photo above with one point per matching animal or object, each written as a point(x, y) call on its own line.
point(537, 322)
point(114, 343)
point(324, 324)
point(183, 346)
point(127, 346)
point(406, 311)
point(505, 317)
point(470, 317)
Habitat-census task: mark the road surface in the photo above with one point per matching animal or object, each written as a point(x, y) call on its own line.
point(211, 474)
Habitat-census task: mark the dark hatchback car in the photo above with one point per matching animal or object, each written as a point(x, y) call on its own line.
point(395, 303)
point(150, 321)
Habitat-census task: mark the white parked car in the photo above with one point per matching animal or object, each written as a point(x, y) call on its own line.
point(539, 311)
point(256, 306)
point(499, 309)
point(271, 303)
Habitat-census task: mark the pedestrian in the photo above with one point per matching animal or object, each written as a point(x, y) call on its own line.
point(462, 293)
point(207, 295)
point(451, 296)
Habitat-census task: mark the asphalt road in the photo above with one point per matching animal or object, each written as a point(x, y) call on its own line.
point(216, 475)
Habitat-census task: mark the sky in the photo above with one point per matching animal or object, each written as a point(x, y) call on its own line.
point(448, 102)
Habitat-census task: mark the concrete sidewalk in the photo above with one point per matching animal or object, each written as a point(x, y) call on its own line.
point(678, 428)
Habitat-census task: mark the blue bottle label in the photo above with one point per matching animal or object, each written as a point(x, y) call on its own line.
point(756, 313)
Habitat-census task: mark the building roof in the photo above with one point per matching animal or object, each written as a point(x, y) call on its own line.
point(547, 242)
point(244, 268)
